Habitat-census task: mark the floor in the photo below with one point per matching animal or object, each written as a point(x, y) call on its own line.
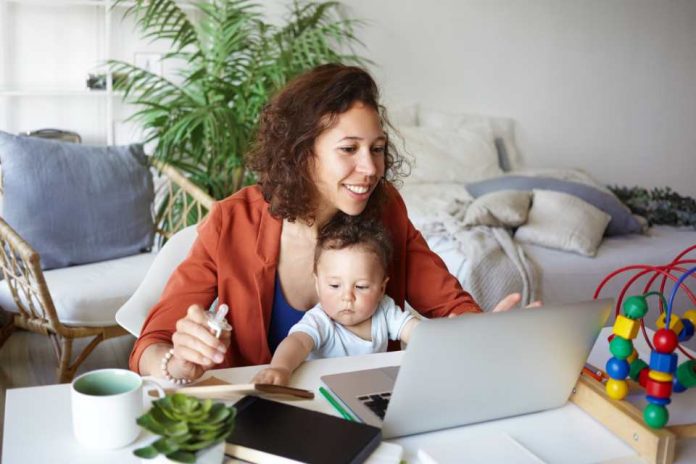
point(28, 359)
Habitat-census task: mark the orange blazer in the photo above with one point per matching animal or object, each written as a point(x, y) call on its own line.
point(235, 258)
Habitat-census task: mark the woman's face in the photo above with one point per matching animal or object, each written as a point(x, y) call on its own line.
point(349, 161)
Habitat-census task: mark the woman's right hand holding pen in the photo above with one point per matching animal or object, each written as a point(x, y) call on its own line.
point(196, 349)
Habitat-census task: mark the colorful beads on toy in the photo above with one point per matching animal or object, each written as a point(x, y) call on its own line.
point(643, 377)
point(620, 347)
point(632, 357)
point(660, 401)
point(677, 387)
point(674, 322)
point(655, 415)
point(660, 376)
point(658, 389)
point(690, 315)
point(687, 332)
point(663, 362)
point(617, 368)
point(637, 367)
point(665, 341)
point(686, 373)
point(635, 307)
point(617, 389)
point(626, 328)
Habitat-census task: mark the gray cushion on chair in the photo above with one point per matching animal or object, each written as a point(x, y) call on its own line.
point(77, 204)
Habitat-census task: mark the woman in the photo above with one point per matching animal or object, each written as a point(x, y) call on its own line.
point(321, 148)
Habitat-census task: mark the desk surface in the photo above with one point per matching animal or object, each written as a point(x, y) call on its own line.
point(38, 425)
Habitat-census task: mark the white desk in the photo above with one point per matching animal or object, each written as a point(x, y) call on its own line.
point(38, 425)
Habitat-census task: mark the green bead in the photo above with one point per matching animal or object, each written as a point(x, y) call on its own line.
point(637, 366)
point(686, 373)
point(620, 347)
point(655, 416)
point(635, 307)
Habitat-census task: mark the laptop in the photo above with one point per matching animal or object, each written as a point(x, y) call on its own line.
point(476, 368)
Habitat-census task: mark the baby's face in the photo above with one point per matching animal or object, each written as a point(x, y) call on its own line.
point(350, 284)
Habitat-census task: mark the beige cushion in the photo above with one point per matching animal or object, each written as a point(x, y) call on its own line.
point(562, 221)
point(90, 294)
point(444, 155)
point(506, 208)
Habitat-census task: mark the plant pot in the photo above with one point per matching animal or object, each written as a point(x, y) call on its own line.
point(213, 455)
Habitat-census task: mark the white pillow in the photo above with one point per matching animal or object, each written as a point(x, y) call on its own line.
point(563, 221)
point(441, 155)
point(505, 208)
point(502, 128)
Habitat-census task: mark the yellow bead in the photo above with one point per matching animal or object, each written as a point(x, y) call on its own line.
point(632, 357)
point(626, 328)
point(690, 315)
point(675, 323)
point(660, 376)
point(617, 389)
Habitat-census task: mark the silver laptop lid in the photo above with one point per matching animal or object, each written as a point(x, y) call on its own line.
point(481, 367)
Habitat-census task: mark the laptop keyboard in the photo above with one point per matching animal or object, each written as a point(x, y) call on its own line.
point(377, 403)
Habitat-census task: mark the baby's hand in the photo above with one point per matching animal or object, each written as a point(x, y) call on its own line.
point(272, 375)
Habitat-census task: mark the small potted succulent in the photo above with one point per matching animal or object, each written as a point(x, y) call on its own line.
point(190, 430)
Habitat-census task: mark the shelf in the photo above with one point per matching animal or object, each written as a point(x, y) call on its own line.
point(58, 93)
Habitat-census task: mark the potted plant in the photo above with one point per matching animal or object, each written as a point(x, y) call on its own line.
point(229, 60)
point(188, 428)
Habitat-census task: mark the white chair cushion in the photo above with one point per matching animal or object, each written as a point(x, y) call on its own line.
point(133, 313)
point(90, 294)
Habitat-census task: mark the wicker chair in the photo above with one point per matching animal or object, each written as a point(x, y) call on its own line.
point(180, 201)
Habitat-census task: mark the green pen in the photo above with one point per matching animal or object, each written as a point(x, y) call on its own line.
point(335, 404)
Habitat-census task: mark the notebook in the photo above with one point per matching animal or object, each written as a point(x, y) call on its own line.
point(475, 368)
point(272, 432)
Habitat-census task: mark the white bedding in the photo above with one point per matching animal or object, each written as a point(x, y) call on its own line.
point(565, 277)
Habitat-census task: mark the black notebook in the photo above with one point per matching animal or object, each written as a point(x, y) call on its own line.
point(266, 429)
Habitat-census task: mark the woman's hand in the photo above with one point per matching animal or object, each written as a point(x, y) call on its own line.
point(512, 300)
point(195, 347)
point(272, 375)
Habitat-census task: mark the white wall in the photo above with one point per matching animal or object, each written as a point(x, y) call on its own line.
point(607, 86)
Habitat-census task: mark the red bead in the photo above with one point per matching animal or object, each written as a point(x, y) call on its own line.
point(643, 377)
point(658, 389)
point(665, 341)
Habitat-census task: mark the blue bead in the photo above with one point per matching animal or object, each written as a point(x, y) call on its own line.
point(687, 332)
point(617, 368)
point(663, 362)
point(677, 387)
point(656, 400)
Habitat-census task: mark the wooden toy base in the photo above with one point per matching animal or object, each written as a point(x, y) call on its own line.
point(626, 421)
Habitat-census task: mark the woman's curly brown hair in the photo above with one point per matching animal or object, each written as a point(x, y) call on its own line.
point(344, 231)
point(290, 123)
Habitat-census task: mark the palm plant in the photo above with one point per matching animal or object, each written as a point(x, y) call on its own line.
point(203, 120)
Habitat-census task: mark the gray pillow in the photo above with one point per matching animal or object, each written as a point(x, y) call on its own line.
point(622, 221)
point(77, 204)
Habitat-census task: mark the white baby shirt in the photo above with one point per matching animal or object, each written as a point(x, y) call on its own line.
point(332, 340)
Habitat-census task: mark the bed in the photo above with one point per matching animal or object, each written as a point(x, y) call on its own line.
point(450, 159)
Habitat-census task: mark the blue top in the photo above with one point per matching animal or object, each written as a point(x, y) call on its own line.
point(283, 316)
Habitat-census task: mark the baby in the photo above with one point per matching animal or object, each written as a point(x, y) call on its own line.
point(353, 316)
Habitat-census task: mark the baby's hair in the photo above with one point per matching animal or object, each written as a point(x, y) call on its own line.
point(344, 231)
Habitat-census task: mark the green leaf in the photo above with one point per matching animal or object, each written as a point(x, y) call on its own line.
point(146, 452)
point(166, 445)
point(182, 456)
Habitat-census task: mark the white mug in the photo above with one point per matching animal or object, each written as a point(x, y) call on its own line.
point(105, 406)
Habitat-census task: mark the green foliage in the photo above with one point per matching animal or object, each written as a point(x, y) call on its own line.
point(228, 62)
point(185, 425)
point(659, 205)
